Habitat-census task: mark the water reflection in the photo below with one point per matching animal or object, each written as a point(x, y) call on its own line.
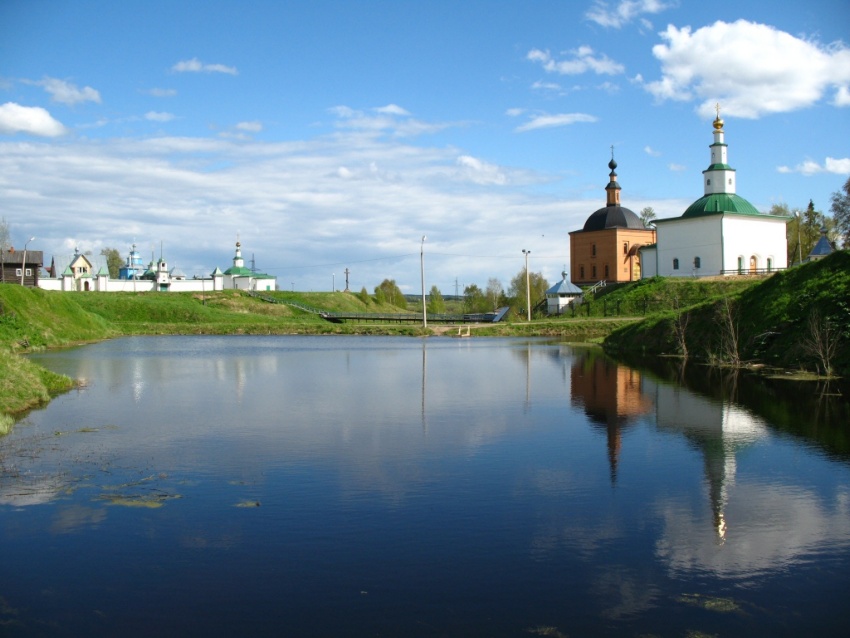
point(425, 471)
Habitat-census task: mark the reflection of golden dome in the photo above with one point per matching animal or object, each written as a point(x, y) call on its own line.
point(718, 123)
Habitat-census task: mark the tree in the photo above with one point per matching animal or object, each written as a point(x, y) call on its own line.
point(436, 303)
point(113, 261)
point(5, 235)
point(474, 299)
point(840, 209)
point(389, 292)
point(364, 296)
point(494, 292)
point(537, 284)
point(647, 215)
point(5, 240)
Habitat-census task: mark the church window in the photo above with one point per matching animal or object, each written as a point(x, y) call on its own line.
point(740, 265)
point(696, 262)
point(593, 250)
point(769, 264)
point(625, 248)
point(708, 182)
point(606, 271)
point(675, 263)
point(594, 271)
point(730, 181)
point(582, 272)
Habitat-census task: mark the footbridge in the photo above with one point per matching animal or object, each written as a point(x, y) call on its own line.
point(390, 317)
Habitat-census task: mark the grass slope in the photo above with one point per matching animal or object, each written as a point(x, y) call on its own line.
point(771, 318)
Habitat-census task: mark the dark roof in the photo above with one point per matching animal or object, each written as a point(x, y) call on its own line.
point(33, 257)
point(822, 248)
point(613, 217)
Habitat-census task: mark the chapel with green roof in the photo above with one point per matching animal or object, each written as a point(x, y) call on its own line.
point(721, 233)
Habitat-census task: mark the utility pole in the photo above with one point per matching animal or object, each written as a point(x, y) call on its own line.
point(422, 273)
point(527, 287)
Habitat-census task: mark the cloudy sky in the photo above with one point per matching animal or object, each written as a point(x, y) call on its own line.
point(332, 135)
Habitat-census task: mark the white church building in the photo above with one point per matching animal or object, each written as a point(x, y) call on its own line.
point(721, 233)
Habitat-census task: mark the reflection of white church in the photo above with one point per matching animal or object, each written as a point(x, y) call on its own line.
point(80, 275)
point(719, 234)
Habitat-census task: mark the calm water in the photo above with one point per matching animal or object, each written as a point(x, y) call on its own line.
point(358, 486)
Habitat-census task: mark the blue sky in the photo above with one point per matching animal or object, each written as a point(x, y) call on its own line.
point(334, 134)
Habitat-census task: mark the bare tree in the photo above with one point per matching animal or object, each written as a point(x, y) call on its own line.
point(821, 340)
point(647, 215)
point(729, 334)
point(494, 291)
point(680, 328)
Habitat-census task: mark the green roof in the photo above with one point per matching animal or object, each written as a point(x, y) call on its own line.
point(238, 270)
point(720, 203)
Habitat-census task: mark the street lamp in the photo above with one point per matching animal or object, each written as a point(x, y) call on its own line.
point(333, 282)
point(24, 262)
point(422, 274)
point(527, 286)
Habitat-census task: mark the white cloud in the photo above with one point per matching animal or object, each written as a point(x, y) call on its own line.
point(481, 172)
point(391, 119)
point(196, 66)
point(514, 112)
point(546, 86)
point(391, 109)
point(67, 93)
point(842, 96)
point(154, 116)
point(751, 69)
point(677, 167)
point(651, 151)
point(810, 167)
point(581, 60)
point(34, 120)
point(626, 11)
point(250, 127)
point(549, 121)
point(156, 92)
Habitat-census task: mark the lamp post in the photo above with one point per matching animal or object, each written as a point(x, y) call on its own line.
point(799, 246)
point(333, 282)
point(527, 286)
point(422, 275)
point(24, 262)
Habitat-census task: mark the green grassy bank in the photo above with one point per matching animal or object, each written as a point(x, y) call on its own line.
point(794, 319)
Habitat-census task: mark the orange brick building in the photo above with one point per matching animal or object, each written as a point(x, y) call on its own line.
point(607, 247)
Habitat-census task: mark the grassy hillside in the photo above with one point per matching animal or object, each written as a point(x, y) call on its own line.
point(770, 320)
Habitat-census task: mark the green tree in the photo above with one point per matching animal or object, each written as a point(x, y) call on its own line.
point(474, 299)
point(840, 209)
point(537, 285)
point(436, 303)
point(113, 261)
point(391, 293)
point(363, 295)
point(647, 215)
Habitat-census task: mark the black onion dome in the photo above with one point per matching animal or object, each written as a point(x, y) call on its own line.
point(613, 217)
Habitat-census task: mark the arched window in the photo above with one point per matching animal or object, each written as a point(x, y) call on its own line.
point(594, 271)
point(770, 264)
point(593, 250)
point(625, 248)
point(606, 271)
point(582, 272)
point(697, 262)
point(740, 264)
point(675, 263)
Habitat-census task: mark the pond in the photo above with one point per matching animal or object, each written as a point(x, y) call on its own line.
point(386, 486)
